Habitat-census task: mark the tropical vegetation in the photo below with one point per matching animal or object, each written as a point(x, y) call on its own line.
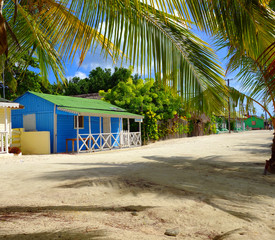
point(165, 114)
point(152, 35)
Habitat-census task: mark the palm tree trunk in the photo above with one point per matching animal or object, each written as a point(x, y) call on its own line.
point(273, 145)
point(270, 164)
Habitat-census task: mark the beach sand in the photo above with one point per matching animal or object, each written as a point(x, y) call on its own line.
point(209, 187)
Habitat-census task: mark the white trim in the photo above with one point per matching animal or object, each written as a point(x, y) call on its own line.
point(120, 131)
point(77, 132)
point(9, 105)
point(90, 131)
point(54, 130)
point(100, 114)
point(100, 132)
point(106, 141)
point(6, 130)
point(78, 122)
point(128, 123)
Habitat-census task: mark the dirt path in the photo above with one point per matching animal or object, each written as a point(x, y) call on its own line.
point(209, 187)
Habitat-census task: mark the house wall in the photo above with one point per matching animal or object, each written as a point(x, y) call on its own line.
point(2, 119)
point(65, 130)
point(259, 122)
point(42, 109)
point(35, 142)
point(44, 112)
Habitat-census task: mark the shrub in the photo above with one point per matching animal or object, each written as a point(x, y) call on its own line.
point(15, 150)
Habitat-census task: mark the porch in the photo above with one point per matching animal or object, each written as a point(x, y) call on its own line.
point(105, 138)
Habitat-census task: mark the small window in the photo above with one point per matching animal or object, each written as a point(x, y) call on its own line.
point(29, 122)
point(80, 122)
point(253, 122)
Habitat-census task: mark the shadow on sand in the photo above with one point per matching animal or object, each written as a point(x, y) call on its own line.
point(68, 235)
point(205, 179)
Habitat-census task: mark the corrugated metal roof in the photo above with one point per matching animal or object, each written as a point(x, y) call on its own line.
point(85, 106)
point(5, 100)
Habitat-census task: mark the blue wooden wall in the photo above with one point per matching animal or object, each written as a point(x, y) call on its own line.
point(65, 130)
point(43, 110)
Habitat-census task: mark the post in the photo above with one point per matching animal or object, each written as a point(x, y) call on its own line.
point(139, 129)
point(54, 130)
point(110, 136)
point(128, 123)
point(119, 128)
point(77, 133)
point(229, 128)
point(100, 138)
point(90, 132)
point(6, 132)
point(4, 90)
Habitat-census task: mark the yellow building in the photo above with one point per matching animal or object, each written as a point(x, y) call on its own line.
point(5, 123)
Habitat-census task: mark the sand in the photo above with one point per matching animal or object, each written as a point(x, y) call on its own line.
point(208, 187)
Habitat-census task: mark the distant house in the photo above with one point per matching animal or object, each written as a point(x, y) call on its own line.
point(76, 124)
point(5, 123)
point(254, 122)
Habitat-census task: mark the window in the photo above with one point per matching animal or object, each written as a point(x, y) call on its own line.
point(80, 122)
point(253, 122)
point(29, 122)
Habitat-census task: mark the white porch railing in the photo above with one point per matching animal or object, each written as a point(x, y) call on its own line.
point(100, 141)
point(4, 136)
point(130, 139)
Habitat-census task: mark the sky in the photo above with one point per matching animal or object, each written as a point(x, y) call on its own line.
point(95, 60)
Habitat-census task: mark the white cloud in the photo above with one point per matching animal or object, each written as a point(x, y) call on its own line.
point(79, 74)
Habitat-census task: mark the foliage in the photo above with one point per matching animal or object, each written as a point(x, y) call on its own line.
point(141, 32)
point(98, 79)
point(157, 104)
point(158, 32)
point(18, 80)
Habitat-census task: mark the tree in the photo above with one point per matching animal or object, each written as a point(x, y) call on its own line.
point(18, 80)
point(156, 103)
point(142, 33)
point(98, 79)
point(157, 32)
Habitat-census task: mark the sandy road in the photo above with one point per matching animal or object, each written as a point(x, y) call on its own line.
point(209, 187)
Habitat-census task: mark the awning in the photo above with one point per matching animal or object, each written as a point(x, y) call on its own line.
point(99, 113)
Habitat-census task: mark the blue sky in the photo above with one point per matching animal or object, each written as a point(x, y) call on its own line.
point(96, 60)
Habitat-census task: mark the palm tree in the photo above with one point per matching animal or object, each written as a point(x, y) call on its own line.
point(130, 29)
point(56, 31)
point(253, 57)
point(143, 32)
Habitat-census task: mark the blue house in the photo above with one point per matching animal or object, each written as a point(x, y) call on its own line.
point(76, 124)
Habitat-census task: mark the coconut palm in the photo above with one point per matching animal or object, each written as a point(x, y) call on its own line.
point(143, 32)
point(253, 57)
point(134, 30)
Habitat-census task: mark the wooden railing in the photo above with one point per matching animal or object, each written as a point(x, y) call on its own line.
point(130, 139)
point(100, 141)
point(4, 136)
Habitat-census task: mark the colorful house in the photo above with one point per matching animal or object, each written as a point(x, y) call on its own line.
point(254, 122)
point(5, 123)
point(76, 124)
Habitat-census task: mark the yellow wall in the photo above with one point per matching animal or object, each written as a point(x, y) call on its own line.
point(16, 137)
point(35, 143)
point(2, 119)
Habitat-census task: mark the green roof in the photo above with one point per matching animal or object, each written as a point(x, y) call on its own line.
point(84, 106)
